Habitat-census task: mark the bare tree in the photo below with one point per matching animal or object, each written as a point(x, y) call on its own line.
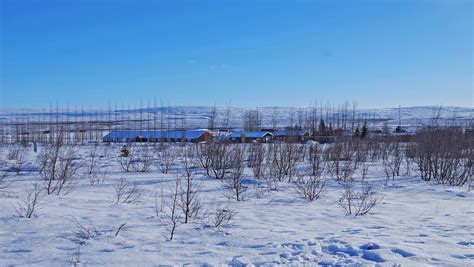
point(30, 201)
point(252, 120)
point(235, 178)
point(127, 192)
point(211, 124)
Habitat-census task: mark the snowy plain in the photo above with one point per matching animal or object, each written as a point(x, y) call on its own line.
point(416, 223)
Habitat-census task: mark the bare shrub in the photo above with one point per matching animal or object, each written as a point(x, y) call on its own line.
point(222, 218)
point(127, 192)
point(166, 157)
point(135, 158)
point(174, 217)
point(444, 155)
point(3, 181)
point(284, 157)
point(58, 167)
point(97, 177)
point(256, 158)
point(204, 156)
point(310, 182)
point(159, 201)
point(125, 157)
point(75, 257)
point(92, 164)
point(272, 178)
point(341, 170)
point(82, 231)
point(189, 195)
point(30, 201)
point(221, 160)
point(17, 156)
point(393, 160)
point(358, 201)
point(235, 178)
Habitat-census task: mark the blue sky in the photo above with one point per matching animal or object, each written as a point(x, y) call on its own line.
point(254, 53)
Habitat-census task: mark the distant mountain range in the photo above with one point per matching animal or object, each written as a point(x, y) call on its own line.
point(197, 116)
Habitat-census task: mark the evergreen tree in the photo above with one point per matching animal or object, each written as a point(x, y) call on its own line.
point(398, 129)
point(357, 132)
point(365, 130)
point(322, 127)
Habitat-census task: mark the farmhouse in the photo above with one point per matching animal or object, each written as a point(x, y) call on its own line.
point(294, 136)
point(250, 137)
point(193, 136)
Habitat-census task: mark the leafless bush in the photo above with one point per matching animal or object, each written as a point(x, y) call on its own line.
point(235, 178)
point(341, 171)
point(361, 151)
point(81, 231)
point(59, 167)
point(393, 160)
point(271, 178)
point(358, 201)
point(97, 177)
point(127, 192)
point(316, 160)
point(166, 157)
point(17, 157)
point(204, 156)
point(92, 164)
point(189, 187)
point(256, 158)
point(75, 257)
point(125, 157)
point(135, 158)
point(284, 157)
point(444, 155)
point(30, 201)
point(3, 181)
point(222, 218)
point(159, 200)
point(310, 182)
point(373, 150)
point(172, 213)
point(221, 159)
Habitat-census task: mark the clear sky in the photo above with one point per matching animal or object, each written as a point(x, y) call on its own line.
point(380, 53)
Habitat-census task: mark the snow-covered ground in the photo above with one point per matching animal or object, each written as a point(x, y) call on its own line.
point(415, 224)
